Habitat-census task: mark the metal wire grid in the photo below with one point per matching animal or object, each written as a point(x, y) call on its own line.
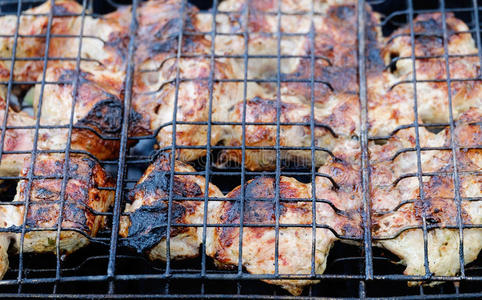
point(168, 273)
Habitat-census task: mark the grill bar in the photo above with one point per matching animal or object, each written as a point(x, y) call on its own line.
point(417, 140)
point(123, 149)
point(65, 171)
point(34, 154)
point(456, 177)
point(367, 243)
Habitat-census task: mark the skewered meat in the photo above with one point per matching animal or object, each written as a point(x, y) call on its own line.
point(144, 226)
point(86, 195)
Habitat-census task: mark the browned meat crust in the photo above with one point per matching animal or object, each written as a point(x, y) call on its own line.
point(144, 226)
point(85, 197)
point(391, 95)
point(259, 233)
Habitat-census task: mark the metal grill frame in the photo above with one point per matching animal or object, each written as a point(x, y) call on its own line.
point(168, 274)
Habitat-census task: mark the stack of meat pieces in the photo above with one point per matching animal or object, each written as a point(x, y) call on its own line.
point(271, 83)
point(78, 106)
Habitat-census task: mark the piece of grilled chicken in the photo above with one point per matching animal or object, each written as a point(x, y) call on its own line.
point(17, 143)
point(391, 95)
point(398, 204)
point(144, 225)
point(88, 193)
point(296, 237)
point(336, 110)
point(96, 86)
point(103, 39)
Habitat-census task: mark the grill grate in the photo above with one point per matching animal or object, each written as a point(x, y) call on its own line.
point(107, 269)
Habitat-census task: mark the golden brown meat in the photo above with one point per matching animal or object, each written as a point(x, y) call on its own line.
point(259, 233)
point(144, 225)
point(397, 206)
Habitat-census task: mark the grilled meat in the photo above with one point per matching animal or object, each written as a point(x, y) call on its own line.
point(86, 195)
point(160, 24)
point(336, 112)
point(391, 94)
point(144, 225)
point(295, 243)
point(9, 218)
point(97, 87)
point(98, 111)
point(103, 41)
point(397, 206)
point(18, 141)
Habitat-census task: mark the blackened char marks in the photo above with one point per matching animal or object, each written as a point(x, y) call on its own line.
point(157, 183)
point(166, 37)
point(429, 34)
point(119, 42)
point(432, 26)
point(149, 222)
point(149, 225)
point(105, 117)
point(61, 9)
point(68, 76)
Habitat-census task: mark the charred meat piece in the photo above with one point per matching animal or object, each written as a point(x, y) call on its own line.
point(98, 111)
point(96, 88)
point(86, 195)
point(144, 225)
point(336, 112)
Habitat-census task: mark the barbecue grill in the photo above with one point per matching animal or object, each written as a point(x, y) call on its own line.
point(106, 269)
